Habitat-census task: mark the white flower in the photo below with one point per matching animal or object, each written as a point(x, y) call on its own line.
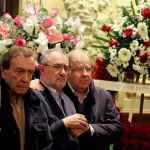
point(140, 69)
point(118, 23)
point(31, 24)
point(143, 31)
point(125, 64)
point(124, 54)
point(134, 45)
point(113, 71)
point(112, 51)
point(28, 27)
point(42, 39)
point(42, 49)
point(3, 49)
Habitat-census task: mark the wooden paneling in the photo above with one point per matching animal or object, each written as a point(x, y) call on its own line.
point(10, 6)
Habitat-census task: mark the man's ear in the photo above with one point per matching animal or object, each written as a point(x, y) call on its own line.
point(3, 72)
point(41, 68)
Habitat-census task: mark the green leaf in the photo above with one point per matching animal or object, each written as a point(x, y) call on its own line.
point(137, 2)
point(126, 13)
point(132, 8)
point(100, 38)
point(112, 36)
point(43, 12)
point(98, 46)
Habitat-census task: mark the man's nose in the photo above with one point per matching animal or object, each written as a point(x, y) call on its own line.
point(26, 77)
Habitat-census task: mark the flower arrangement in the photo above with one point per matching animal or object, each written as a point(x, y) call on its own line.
point(125, 51)
point(37, 29)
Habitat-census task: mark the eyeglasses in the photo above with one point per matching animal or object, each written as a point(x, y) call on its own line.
point(81, 69)
point(59, 67)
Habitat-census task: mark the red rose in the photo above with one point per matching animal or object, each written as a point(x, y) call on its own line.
point(129, 74)
point(106, 28)
point(94, 75)
point(113, 43)
point(100, 61)
point(146, 12)
point(143, 57)
point(147, 44)
point(127, 32)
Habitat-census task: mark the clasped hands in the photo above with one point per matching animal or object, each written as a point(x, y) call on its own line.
point(77, 124)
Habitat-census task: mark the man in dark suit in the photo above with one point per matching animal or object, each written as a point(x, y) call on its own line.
point(65, 125)
point(93, 102)
point(23, 120)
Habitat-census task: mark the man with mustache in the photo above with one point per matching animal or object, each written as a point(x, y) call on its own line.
point(65, 125)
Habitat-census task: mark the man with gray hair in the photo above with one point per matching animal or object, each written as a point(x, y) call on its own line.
point(65, 125)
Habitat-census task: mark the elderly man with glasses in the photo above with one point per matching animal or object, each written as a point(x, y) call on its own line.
point(54, 71)
point(93, 102)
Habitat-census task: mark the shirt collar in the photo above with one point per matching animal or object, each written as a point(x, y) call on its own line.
point(75, 93)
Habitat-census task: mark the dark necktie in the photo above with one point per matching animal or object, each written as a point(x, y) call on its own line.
point(61, 104)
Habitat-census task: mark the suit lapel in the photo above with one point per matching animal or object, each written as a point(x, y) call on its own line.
point(52, 103)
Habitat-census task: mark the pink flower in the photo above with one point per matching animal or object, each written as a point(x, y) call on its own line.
point(18, 21)
point(47, 22)
point(113, 43)
point(54, 36)
point(55, 11)
point(146, 12)
point(7, 16)
point(75, 41)
point(106, 28)
point(20, 42)
point(67, 36)
point(143, 57)
point(4, 28)
point(127, 32)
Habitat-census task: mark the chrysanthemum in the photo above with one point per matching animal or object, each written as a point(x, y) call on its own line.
point(124, 54)
point(134, 45)
point(112, 70)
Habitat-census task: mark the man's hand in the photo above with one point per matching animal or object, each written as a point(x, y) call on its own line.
point(35, 84)
point(78, 132)
point(76, 121)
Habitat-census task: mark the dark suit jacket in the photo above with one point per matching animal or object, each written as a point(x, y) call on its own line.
point(37, 132)
point(62, 139)
point(101, 114)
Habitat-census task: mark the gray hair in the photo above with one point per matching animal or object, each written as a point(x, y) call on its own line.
point(44, 58)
